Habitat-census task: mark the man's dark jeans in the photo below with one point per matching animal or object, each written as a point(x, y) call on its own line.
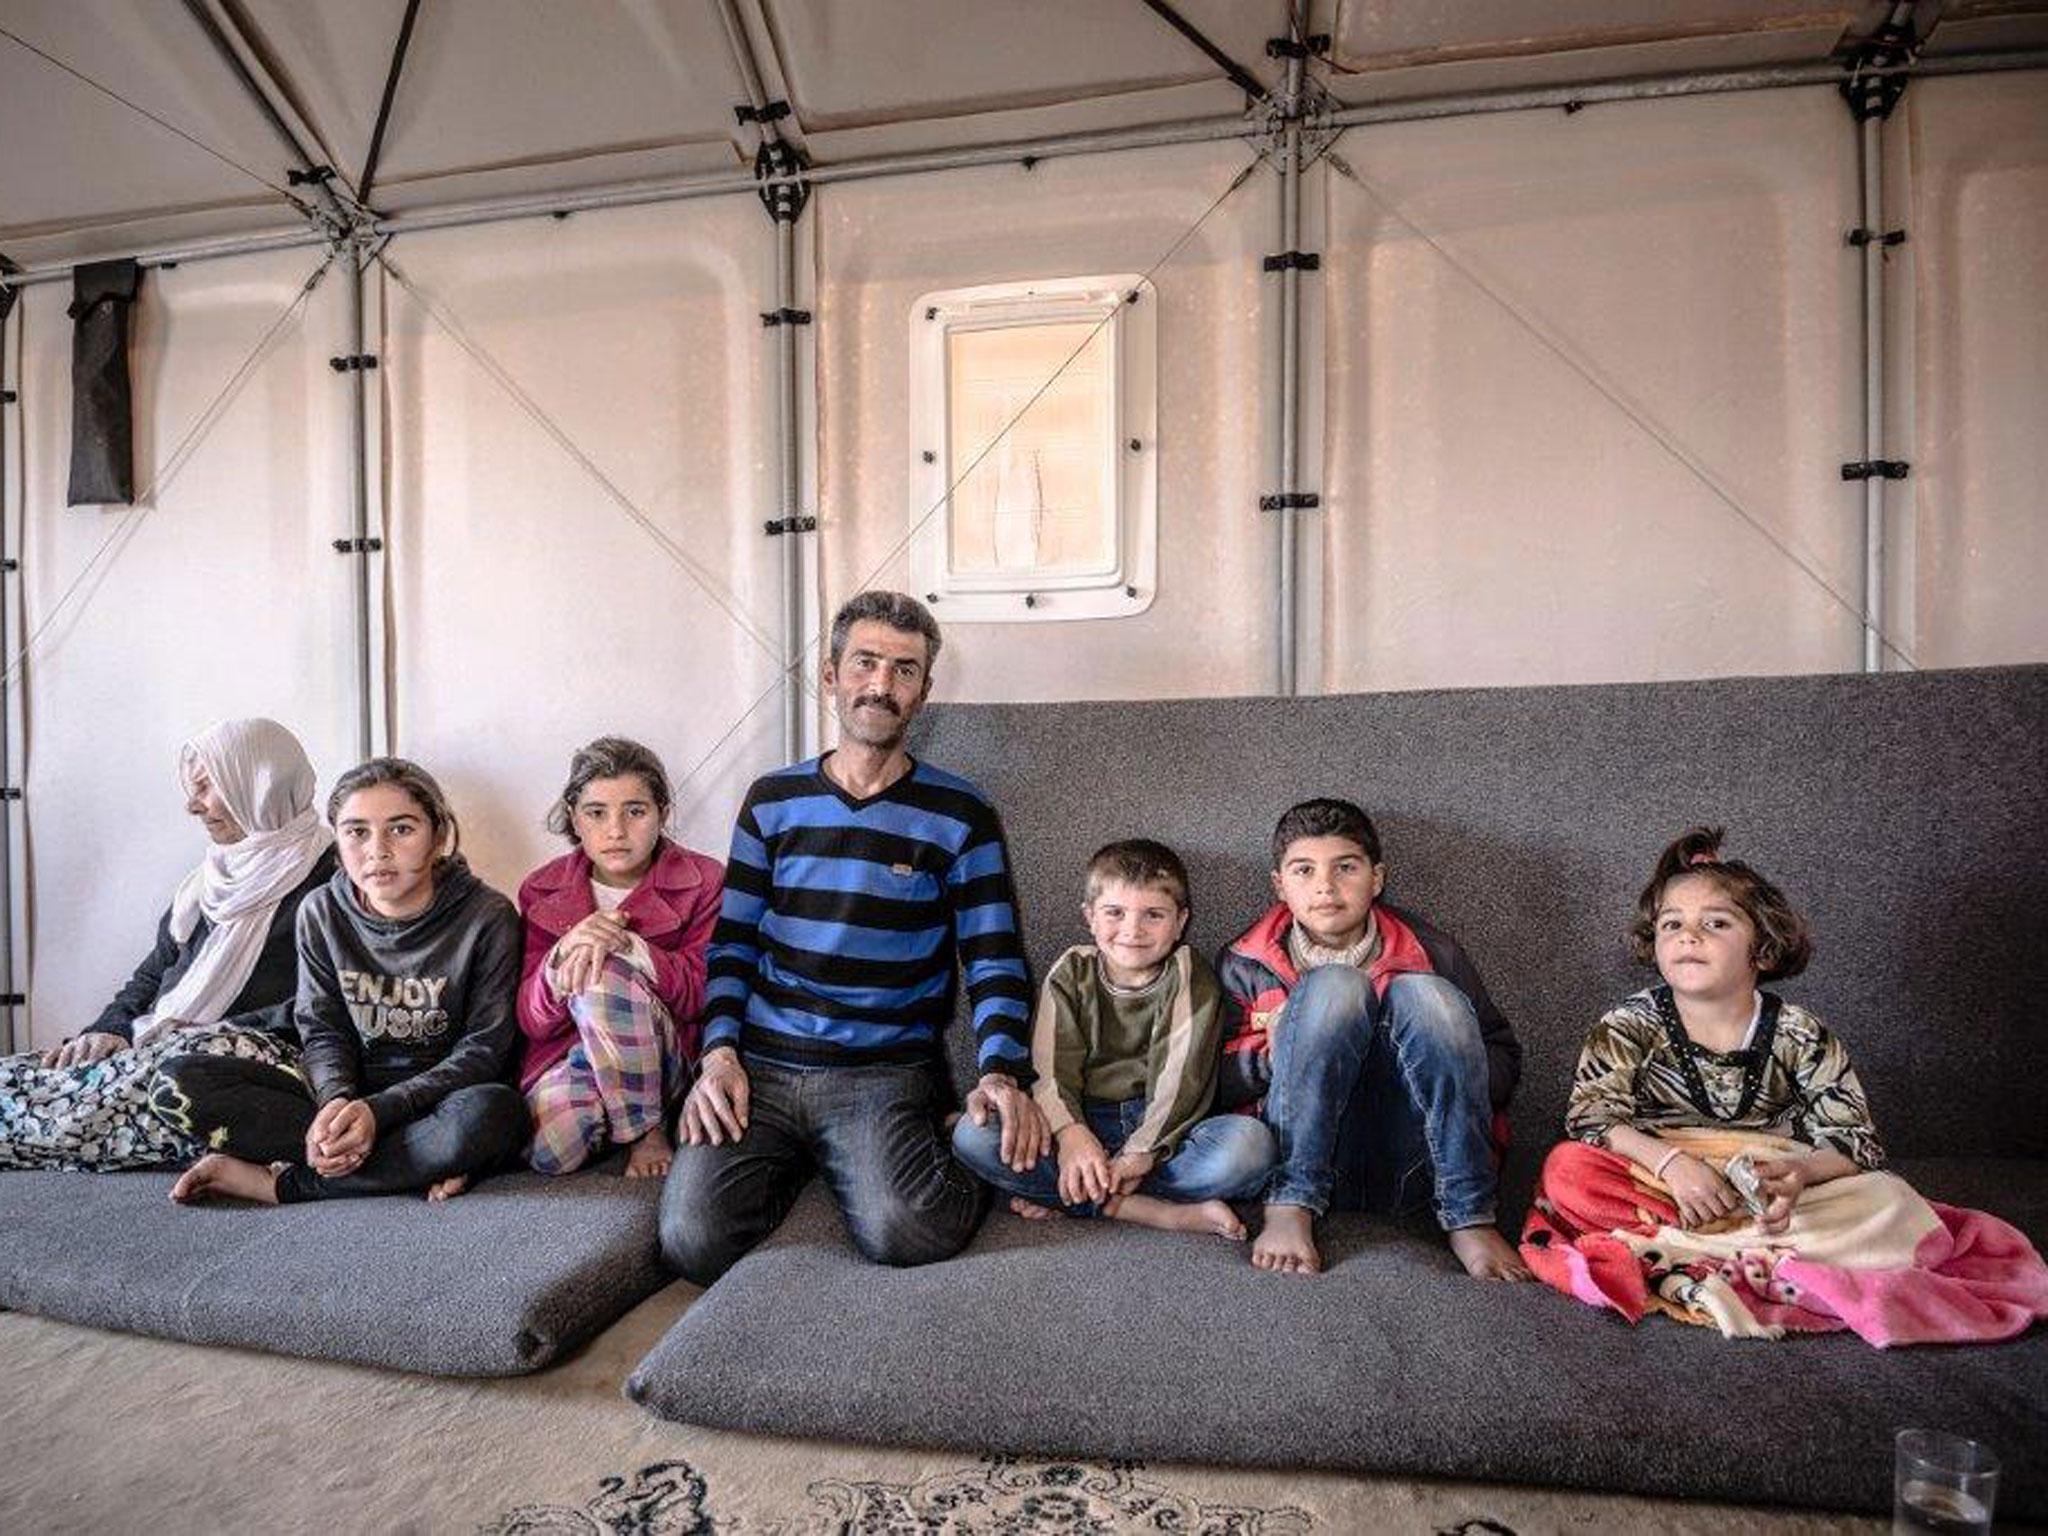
point(873, 1132)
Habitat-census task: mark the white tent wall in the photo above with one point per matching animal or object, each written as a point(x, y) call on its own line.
point(224, 598)
point(531, 611)
point(1496, 516)
point(883, 243)
point(1977, 223)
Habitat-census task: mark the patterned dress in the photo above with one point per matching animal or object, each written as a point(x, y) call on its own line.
point(115, 1113)
point(1639, 1068)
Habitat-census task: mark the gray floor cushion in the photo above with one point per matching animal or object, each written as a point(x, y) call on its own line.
point(496, 1283)
point(1068, 1338)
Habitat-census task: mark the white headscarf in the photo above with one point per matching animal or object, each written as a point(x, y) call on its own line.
point(263, 777)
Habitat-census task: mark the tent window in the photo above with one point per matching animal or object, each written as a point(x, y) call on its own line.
point(1026, 399)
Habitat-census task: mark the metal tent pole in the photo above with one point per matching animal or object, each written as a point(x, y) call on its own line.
point(1870, 150)
point(361, 544)
point(1290, 357)
point(9, 793)
point(791, 446)
point(1204, 130)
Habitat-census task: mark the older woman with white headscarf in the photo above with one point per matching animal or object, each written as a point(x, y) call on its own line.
point(220, 979)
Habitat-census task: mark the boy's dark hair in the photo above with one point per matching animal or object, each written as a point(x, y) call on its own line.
point(1783, 942)
point(608, 757)
point(1138, 861)
point(1325, 818)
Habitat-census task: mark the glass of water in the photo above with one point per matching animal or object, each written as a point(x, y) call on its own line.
point(1942, 1483)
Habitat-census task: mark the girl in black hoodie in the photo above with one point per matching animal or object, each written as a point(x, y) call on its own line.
point(408, 968)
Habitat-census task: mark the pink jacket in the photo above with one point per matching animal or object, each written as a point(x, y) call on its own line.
point(672, 910)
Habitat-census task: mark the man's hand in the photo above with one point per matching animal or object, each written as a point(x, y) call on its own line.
point(1026, 1137)
point(83, 1050)
point(1702, 1194)
point(1783, 1179)
point(716, 1110)
point(1084, 1166)
point(1130, 1169)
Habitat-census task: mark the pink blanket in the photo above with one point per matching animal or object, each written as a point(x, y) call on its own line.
point(1865, 1253)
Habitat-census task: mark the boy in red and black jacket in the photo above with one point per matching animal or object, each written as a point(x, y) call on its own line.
point(1366, 1040)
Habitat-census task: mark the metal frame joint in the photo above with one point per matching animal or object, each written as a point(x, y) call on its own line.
point(1877, 69)
point(784, 199)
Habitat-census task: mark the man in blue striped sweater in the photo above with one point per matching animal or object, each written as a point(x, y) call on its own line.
point(855, 880)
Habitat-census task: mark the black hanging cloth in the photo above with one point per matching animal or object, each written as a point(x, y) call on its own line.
point(102, 411)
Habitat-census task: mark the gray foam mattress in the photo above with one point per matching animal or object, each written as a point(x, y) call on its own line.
point(1079, 1339)
point(499, 1282)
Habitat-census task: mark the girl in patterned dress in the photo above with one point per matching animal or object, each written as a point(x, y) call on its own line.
point(1705, 1081)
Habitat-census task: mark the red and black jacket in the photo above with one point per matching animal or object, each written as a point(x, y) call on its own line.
point(1257, 975)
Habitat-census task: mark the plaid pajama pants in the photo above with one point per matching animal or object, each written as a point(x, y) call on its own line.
point(617, 1081)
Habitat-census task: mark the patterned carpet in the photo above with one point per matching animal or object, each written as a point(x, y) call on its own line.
point(106, 1433)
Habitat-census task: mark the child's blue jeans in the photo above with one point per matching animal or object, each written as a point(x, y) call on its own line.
point(1224, 1157)
point(1375, 1100)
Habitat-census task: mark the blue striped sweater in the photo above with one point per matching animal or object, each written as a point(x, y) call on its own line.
point(841, 918)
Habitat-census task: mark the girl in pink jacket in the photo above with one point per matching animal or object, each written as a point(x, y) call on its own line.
point(614, 970)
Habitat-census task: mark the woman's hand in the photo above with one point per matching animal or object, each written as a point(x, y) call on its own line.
point(83, 1050)
point(1084, 1166)
point(1783, 1180)
point(1703, 1195)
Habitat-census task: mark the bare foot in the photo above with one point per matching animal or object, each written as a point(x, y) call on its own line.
point(1487, 1255)
point(651, 1155)
point(1031, 1210)
point(1287, 1241)
point(448, 1188)
point(1174, 1216)
point(217, 1174)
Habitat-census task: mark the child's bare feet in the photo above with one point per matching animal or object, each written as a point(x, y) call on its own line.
point(1487, 1255)
point(218, 1174)
point(1173, 1216)
point(448, 1188)
point(650, 1156)
point(1031, 1210)
point(1287, 1241)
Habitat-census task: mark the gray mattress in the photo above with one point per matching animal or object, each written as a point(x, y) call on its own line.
point(1095, 1340)
point(499, 1282)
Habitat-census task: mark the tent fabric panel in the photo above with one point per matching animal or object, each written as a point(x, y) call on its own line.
point(224, 598)
point(530, 612)
point(882, 244)
point(1490, 516)
point(1977, 252)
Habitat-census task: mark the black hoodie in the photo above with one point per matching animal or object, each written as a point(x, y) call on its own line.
point(404, 1011)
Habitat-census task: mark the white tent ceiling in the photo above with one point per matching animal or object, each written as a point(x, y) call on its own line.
point(122, 129)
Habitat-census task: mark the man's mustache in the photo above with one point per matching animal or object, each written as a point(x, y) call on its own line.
point(879, 701)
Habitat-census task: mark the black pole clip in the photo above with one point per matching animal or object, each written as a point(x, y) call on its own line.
point(1875, 469)
point(773, 112)
point(355, 364)
point(357, 546)
point(1889, 49)
point(776, 317)
point(1862, 237)
point(1290, 501)
point(1301, 261)
point(11, 792)
point(8, 397)
point(1313, 46)
point(784, 200)
point(313, 176)
point(13, 999)
point(776, 526)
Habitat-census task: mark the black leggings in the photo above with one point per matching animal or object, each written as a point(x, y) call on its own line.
point(252, 1110)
